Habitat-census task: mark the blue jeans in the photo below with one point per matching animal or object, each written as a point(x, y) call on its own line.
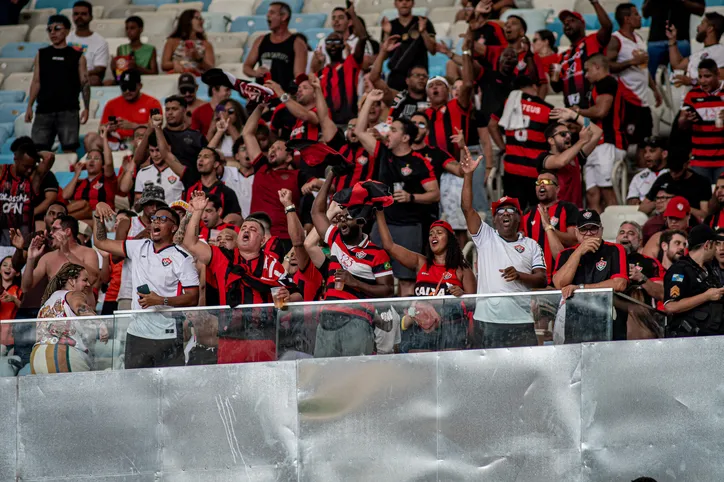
point(659, 53)
point(711, 173)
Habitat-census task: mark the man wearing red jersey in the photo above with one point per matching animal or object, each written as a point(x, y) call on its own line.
point(703, 115)
point(213, 220)
point(576, 89)
point(302, 108)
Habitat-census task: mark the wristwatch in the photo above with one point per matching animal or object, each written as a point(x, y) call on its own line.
point(581, 286)
point(290, 209)
point(284, 98)
point(550, 228)
point(165, 302)
point(412, 198)
point(466, 52)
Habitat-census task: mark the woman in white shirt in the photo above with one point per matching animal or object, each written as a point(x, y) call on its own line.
point(230, 117)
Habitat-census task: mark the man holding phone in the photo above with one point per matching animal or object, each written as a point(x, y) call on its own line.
point(158, 269)
point(133, 108)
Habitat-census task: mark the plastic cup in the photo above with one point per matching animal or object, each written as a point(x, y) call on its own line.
point(339, 285)
point(279, 303)
point(555, 72)
point(398, 186)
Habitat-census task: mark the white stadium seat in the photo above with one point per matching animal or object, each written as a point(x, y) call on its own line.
point(442, 28)
point(64, 161)
point(91, 126)
point(2, 79)
point(375, 32)
point(22, 128)
point(322, 6)
point(107, 5)
point(234, 8)
point(157, 23)
point(18, 81)
point(228, 40)
point(457, 29)
point(11, 66)
point(236, 69)
point(14, 33)
point(125, 11)
point(369, 18)
point(435, 4)
point(160, 86)
point(375, 6)
point(31, 18)
point(98, 11)
point(109, 27)
point(228, 56)
point(37, 34)
point(613, 216)
point(442, 14)
point(178, 8)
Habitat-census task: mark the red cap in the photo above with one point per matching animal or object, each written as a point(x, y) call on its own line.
point(566, 13)
point(506, 201)
point(442, 224)
point(678, 207)
point(301, 78)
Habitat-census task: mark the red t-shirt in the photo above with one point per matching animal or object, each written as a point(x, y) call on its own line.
point(137, 112)
point(8, 312)
point(201, 118)
point(265, 193)
point(544, 66)
point(569, 178)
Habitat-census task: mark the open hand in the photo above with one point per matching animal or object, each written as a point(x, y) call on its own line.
point(198, 201)
point(469, 164)
point(104, 212)
point(16, 239)
point(37, 247)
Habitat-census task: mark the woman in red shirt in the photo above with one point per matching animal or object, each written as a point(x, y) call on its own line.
point(546, 54)
point(9, 302)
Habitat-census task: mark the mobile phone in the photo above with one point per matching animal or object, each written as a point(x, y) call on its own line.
point(144, 290)
point(155, 112)
point(112, 119)
point(349, 3)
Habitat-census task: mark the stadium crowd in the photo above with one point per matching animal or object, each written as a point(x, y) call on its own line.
point(354, 169)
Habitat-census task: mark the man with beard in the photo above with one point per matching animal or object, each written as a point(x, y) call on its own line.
point(273, 171)
point(440, 159)
point(552, 222)
point(655, 154)
point(242, 276)
point(92, 44)
point(207, 165)
point(643, 272)
point(297, 116)
point(212, 219)
point(593, 263)
point(565, 158)
point(692, 292)
point(709, 33)
point(716, 219)
point(186, 143)
point(187, 88)
point(403, 103)
point(129, 110)
point(673, 245)
point(64, 235)
point(162, 276)
point(677, 216)
point(412, 179)
point(576, 88)
point(508, 262)
point(357, 269)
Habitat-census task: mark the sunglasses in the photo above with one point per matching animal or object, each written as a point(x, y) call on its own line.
point(564, 133)
point(129, 87)
point(333, 42)
point(230, 110)
point(506, 211)
point(161, 219)
point(546, 182)
point(422, 125)
point(187, 90)
point(591, 230)
point(54, 28)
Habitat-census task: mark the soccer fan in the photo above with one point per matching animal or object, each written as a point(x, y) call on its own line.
point(187, 49)
point(717, 265)
point(299, 113)
point(272, 171)
point(212, 218)
point(280, 53)
point(662, 14)
point(673, 245)
point(508, 262)
point(187, 88)
point(545, 54)
point(242, 275)
point(133, 108)
point(709, 33)
point(677, 216)
point(593, 263)
point(655, 154)
point(565, 158)
point(241, 180)
point(412, 179)
point(158, 171)
point(59, 74)
point(203, 116)
point(573, 83)
point(644, 273)
point(135, 54)
point(92, 44)
point(440, 159)
point(629, 62)
point(702, 114)
point(357, 269)
point(524, 119)
point(409, 52)
point(186, 143)
point(551, 222)
point(162, 275)
point(607, 111)
point(682, 181)
point(716, 220)
point(100, 185)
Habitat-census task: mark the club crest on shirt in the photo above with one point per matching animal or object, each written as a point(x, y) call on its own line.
point(97, 186)
point(406, 171)
point(172, 179)
point(447, 275)
point(601, 265)
point(554, 221)
point(360, 254)
point(519, 248)
point(645, 174)
point(166, 261)
point(362, 160)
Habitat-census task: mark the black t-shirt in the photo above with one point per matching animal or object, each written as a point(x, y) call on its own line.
point(412, 170)
point(229, 201)
point(186, 145)
point(404, 106)
point(607, 263)
point(608, 86)
point(650, 267)
point(673, 11)
point(495, 87)
point(437, 157)
point(411, 52)
point(695, 188)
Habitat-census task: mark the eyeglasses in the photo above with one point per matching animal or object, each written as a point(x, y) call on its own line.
point(54, 28)
point(187, 90)
point(563, 133)
point(590, 230)
point(506, 210)
point(161, 219)
point(230, 110)
point(546, 182)
point(420, 76)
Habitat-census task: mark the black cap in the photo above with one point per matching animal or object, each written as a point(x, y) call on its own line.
point(588, 217)
point(702, 233)
point(656, 142)
point(186, 79)
point(130, 78)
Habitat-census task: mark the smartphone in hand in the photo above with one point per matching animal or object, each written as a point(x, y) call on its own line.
point(144, 290)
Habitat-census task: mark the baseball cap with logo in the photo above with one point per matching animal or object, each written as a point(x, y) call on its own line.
point(186, 80)
point(568, 13)
point(588, 217)
point(678, 207)
point(130, 79)
point(506, 201)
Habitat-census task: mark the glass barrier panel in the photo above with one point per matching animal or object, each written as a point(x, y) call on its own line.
point(169, 337)
point(642, 321)
point(56, 345)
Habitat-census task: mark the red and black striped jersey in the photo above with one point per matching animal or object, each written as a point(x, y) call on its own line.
point(98, 189)
point(365, 165)
point(707, 142)
point(205, 233)
point(437, 157)
point(274, 248)
point(523, 146)
point(443, 124)
point(576, 89)
point(612, 124)
point(310, 282)
point(435, 280)
point(339, 86)
point(305, 130)
point(16, 201)
point(365, 261)
point(562, 215)
point(229, 201)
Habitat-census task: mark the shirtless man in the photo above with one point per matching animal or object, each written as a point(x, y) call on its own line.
point(63, 232)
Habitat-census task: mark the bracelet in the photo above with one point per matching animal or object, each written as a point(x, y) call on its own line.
point(466, 52)
point(550, 228)
point(578, 115)
point(290, 209)
point(672, 44)
point(412, 198)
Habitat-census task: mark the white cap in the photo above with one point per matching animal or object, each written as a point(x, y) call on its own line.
point(438, 79)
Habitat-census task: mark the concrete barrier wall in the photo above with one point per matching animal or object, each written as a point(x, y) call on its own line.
point(592, 412)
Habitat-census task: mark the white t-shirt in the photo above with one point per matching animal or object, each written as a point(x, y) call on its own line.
point(635, 78)
point(165, 272)
point(642, 182)
point(494, 254)
point(714, 52)
point(172, 186)
point(124, 292)
point(241, 185)
point(95, 48)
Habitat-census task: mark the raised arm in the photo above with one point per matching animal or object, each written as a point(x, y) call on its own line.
point(360, 31)
point(126, 181)
point(200, 250)
point(141, 153)
point(249, 133)
point(296, 230)
point(100, 235)
point(427, 37)
point(466, 90)
point(389, 45)
point(36, 268)
point(311, 243)
point(47, 159)
point(368, 141)
point(604, 33)
point(108, 170)
point(404, 256)
point(319, 217)
point(69, 189)
point(678, 61)
point(472, 218)
point(329, 128)
point(294, 107)
point(164, 148)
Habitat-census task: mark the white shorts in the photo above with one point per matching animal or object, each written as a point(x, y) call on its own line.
point(598, 170)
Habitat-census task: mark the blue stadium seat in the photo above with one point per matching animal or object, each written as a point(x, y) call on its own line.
point(436, 64)
point(592, 22)
point(206, 4)
point(58, 5)
point(5, 149)
point(7, 159)
point(308, 21)
point(249, 24)
point(216, 21)
point(21, 50)
point(7, 96)
point(612, 16)
point(557, 28)
point(10, 111)
point(8, 128)
point(152, 2)
point(295, 5)
point(63, 178)
point(314, 35)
